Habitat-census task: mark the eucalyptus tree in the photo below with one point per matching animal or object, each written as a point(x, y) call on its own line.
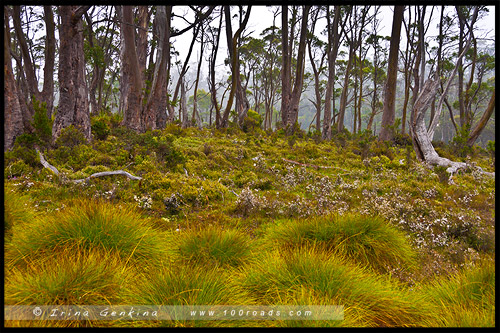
point(317, 48)
point(13, 115)
point(31, 59)
point(270, 71)
point(357, 19)
point(100, 47)
point(291, 94)
point(388, 115)
point(378, 75)
point(145, 97)
point(73, 108)
point(242, 104)
point(333, 44)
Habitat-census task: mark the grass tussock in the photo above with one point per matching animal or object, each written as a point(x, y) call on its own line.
point(89, 224)
point(466, 299)
point(178, 284)
point(17, 211)
point(212, 245)
point(70, 276)
point(367, 240)
point(368, 299)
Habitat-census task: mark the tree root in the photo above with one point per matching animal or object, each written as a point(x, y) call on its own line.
point(97, 174)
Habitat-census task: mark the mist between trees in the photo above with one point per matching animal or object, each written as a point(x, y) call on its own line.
point(323, 69)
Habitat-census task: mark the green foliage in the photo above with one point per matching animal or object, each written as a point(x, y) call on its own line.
point(99, 128)
point(459, 145)
point(70, 137)
point(42, 124)
point(443, 175)
point(252, 121)
point(491, 150)
point(24, 150)
point(163, 146)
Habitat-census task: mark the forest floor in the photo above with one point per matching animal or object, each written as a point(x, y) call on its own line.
point(235, 218)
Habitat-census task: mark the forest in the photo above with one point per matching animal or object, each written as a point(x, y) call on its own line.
point(208, 155)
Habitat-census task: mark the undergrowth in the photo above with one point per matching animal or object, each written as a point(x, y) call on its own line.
point(241, 218)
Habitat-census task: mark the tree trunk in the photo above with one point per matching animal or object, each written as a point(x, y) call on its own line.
point(73, 106)
point(29, 70)
point(131, 83)
point(474, 134)
point(435, 119)
point(235, 83)
point(195, 119)
point(142, 39)
point(333, 44)
point(343, 96)
point(388, 114)
point(47, 93)
point(213, 88)
point(286, 67)
point(13, 118)
point(155, 115)
point(421, 142)
point(293, 108)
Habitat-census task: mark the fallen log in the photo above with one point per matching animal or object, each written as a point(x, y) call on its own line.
point(52, 168)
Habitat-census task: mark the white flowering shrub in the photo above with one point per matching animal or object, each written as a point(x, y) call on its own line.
point(144, 202)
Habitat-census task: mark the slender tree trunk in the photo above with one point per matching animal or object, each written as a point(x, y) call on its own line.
point(474, 134)
point(155, 114)
point(195, 119)
point(183, 105)
point(286, 67)
point(460, 90)
point(333, 44)
point(293, 112)
point(390, 88)
point(213, 88)
point(235, 83)
point(47, 94)
point(435, 119)
point(29, 70)
point(13, 117)
point(343, 96)
point(142, 39)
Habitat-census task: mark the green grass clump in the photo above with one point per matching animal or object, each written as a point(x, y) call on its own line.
point(368, 299)
point(466, 299)
point(90, 224)
point(367, 240)
point(17, 211)
point(213, 245)
point(70, 276)
point(178, 284)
